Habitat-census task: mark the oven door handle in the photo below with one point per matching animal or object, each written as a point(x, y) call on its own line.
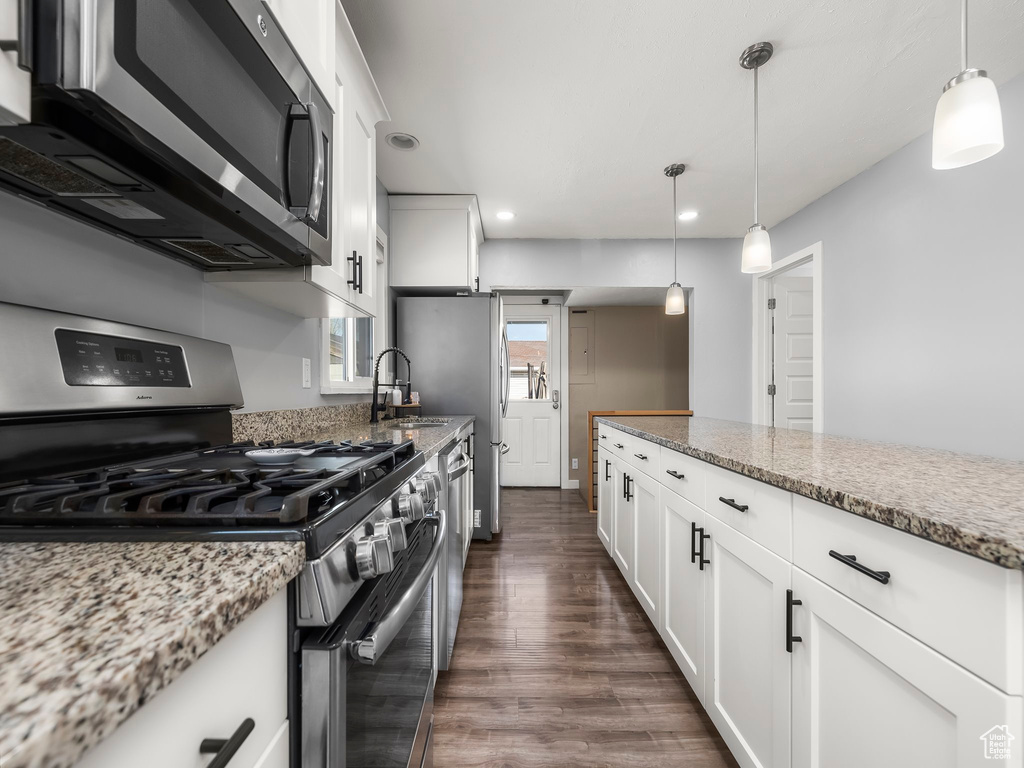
point(372, 647)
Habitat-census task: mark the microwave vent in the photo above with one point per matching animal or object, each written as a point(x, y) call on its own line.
point(43, 172)
point(208, 252)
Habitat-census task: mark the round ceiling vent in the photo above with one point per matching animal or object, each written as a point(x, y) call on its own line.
point(403, 141)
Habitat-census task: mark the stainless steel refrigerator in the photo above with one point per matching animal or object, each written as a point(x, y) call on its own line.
point(459, 356)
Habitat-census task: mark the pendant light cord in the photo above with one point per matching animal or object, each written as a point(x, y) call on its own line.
point(963, 36)
point(755, 143)
point(675, 230)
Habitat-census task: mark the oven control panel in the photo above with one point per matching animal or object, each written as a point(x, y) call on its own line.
point(95, 360)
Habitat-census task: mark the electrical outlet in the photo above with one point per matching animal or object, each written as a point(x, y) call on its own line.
point(307, 373)
point(476, 518)
point(575, 463)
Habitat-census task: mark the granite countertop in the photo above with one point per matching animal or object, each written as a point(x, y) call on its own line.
point(430, 440)
point(974, 504)
point(89, 632)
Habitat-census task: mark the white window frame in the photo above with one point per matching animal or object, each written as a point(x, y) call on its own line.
point(363, 384)
point(546, 320)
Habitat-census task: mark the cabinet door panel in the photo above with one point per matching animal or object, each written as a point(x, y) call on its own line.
point(604, 499)
point(622, 521)
point(647, 532)
point(682, 588)
point(866, 693)
point(747, 683)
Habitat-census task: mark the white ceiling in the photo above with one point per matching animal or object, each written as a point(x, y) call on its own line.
point(566, 111)
point(616, 297)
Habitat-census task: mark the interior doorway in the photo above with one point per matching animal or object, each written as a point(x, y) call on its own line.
point(532, 425)
point(788, 386)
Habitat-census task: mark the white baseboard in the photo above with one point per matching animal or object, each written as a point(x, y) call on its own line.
point(571, 485)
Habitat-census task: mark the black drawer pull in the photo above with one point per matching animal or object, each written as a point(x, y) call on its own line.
point(882, 577)
point(225, 749)
point(703, 537)
point(604, 437)
point(693, 542)
point(640, 456)
point(732, 503)
point(790, 637)
point(607, 470)
point(619, 445)
point(676, 475)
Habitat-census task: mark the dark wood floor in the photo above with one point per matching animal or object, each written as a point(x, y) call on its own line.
point(555, 662)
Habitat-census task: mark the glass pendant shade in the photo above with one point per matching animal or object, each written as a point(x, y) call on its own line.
point(675, 302)
point(968, 122)
point(757, 250)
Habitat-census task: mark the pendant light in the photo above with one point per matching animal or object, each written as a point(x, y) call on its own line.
point(675, 302)
point(757, 246)
point(968, 121)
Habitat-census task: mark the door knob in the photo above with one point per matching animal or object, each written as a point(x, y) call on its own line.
point(554, 399)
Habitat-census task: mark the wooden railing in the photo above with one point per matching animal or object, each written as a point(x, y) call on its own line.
point(592, 454)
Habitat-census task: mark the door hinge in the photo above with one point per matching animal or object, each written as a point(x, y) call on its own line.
point(771, 390)
point(771, 303)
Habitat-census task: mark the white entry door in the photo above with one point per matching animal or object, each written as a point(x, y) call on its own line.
point(532, 428)
point(793, 352)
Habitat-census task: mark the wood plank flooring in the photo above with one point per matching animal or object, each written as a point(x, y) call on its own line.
point(555, 662)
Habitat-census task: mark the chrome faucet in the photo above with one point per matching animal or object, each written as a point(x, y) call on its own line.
point(376, 406)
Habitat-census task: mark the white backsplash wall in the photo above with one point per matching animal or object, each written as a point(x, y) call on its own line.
point(923, 308)
point(50, 261)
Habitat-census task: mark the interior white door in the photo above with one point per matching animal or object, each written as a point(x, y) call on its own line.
point(532, 424)
point(793, 352)
point(747, 679)
point(867, 694)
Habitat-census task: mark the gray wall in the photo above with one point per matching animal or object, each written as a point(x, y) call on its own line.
point(50, 261)
point(719, 298)
point(383, 209)
point(923, 316)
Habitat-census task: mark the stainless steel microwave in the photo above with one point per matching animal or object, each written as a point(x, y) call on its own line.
point(188, 126)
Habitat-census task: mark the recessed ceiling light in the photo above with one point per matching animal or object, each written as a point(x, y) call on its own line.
point(403, 141)
point(506, 215)
point(687, 215)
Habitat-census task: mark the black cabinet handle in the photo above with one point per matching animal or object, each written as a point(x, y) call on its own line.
point(676, 475)
point(360, 275)
point(703, 537)
point(881, 577)
point(607, 470)
point(604, 437)
point(732, 503)
point(790, 637)
point(225, 749)
point(640, 456)
point(619, 445)
point(629, 485)
point(354, 282)
point(693, 542)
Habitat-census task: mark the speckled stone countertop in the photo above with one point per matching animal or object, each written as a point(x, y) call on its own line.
point(971, 503)
point(91, 631)
point(430, 440)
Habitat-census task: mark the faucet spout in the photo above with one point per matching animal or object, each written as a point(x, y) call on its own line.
point(375, 406)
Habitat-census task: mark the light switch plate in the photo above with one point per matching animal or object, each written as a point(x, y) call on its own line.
point(307, 373)
point(575, 463)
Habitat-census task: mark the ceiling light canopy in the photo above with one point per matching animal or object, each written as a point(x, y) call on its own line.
point(968, 123)
point(757, 246)
point(506, 215)
point(687, 215)
point(675, 301)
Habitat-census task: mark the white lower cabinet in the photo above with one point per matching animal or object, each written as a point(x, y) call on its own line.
point(604, 498)
point(747, 682)
point(867, 694)
point(683, 586)
point(646, 583)
point(622, 518)
point(244, 676)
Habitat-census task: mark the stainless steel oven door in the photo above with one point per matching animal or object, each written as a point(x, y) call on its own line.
point(218, 85)
point(368, 681)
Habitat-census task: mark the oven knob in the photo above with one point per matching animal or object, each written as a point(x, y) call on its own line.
point(425, 488)
point(394, 529)
point(373, 556)
point(411, 506)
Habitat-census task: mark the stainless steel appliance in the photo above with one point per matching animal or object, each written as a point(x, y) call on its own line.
point(454, 464)
point(464, 370)
point(189, 126)
point(112, 432)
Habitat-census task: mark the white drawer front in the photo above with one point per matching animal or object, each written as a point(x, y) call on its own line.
point(967, 609)
point(755, 509)
point(612, 439)
point(684, 475)
point(644, 455)
point(245, 675)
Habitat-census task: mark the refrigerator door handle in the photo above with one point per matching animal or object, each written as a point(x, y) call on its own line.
point(508, 373)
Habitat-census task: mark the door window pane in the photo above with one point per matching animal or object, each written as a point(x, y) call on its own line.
point(528, 349)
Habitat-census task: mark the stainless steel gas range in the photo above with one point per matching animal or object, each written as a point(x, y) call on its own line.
point(116, 432)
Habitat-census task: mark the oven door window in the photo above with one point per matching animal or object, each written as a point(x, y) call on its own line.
point(198, 59)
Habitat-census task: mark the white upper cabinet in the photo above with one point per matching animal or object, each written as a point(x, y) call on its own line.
point(435, 242)
point(15, 83)
point(351, 285)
